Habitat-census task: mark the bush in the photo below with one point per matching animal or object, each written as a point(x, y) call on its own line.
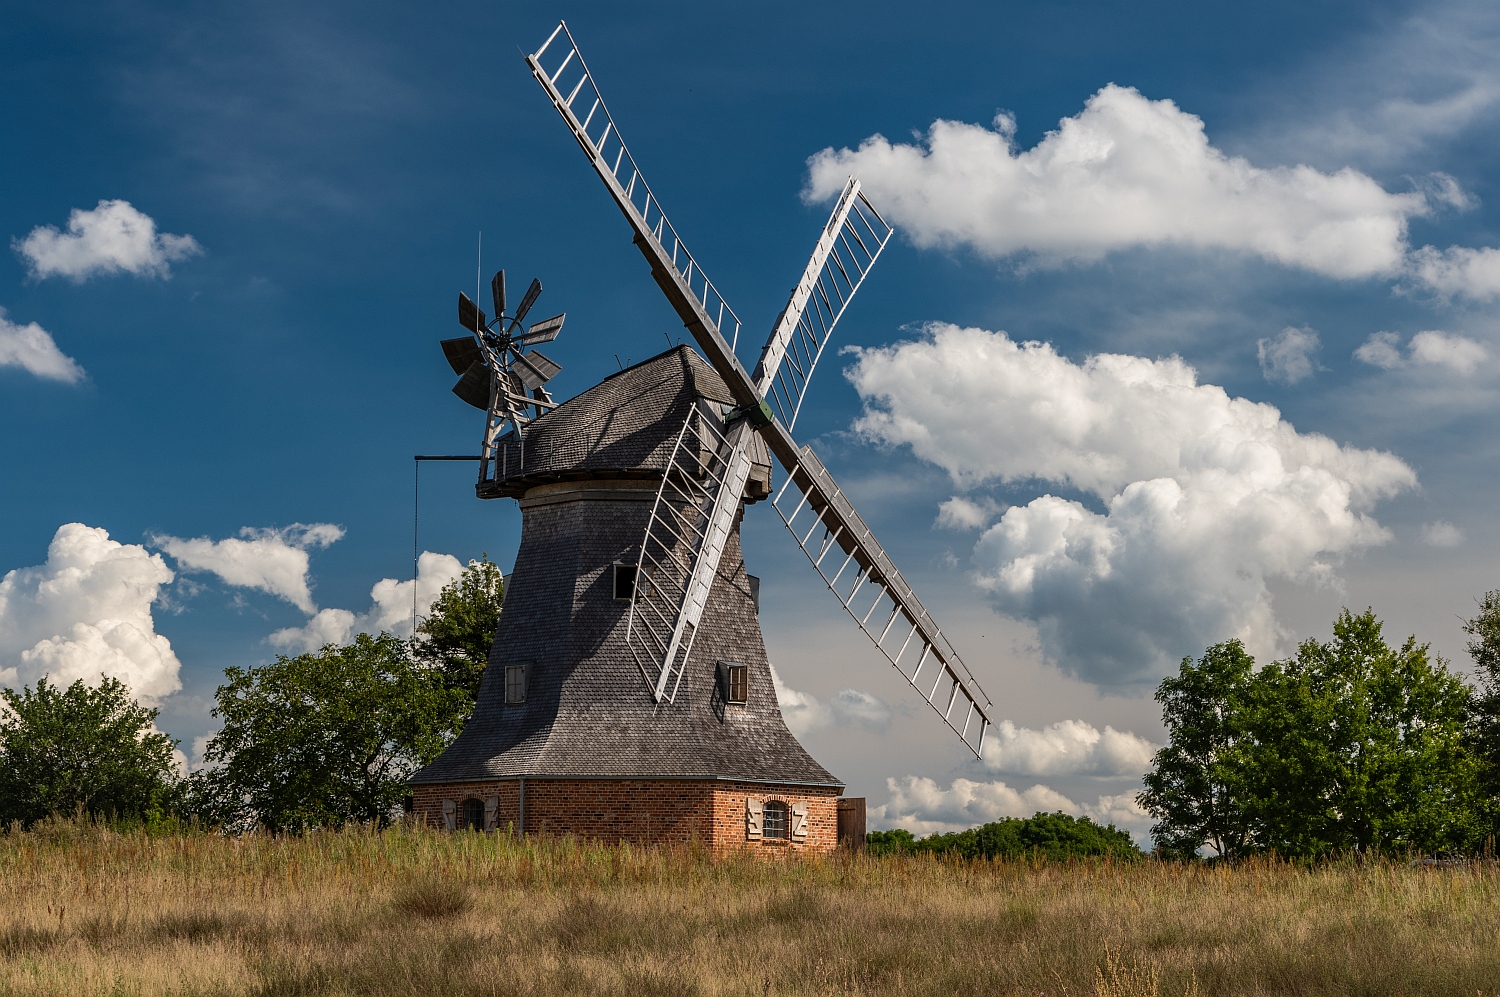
point(1053, 836)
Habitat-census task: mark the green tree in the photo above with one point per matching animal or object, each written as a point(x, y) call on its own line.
point(84, 746)
point(1190, 790)
point(456, 635)
point(1356, 745)
point(1484, 729)
point(327, 738)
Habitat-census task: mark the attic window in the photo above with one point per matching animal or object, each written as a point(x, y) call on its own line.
point(625, 585)
point(515, 684)
point(774, 820)
point(734, 682)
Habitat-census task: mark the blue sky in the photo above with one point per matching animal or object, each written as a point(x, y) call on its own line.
point(245, 348)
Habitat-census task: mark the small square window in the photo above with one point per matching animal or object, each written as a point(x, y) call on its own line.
point(734, 682)
point(473, 816)
point(515, 684)
point(774, 820)
point(625, 582)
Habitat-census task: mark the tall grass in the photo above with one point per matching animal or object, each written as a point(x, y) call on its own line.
point(86, 910)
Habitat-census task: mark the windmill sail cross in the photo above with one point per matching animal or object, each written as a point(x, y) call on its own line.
point(703, 313)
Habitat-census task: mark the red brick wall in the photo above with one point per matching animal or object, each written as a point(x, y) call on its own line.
point(642, 811)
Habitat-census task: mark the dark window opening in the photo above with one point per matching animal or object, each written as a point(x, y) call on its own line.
point(472, 816)
point(774, 822)
point(515, 684)
point(754, 592)
point(625, 582)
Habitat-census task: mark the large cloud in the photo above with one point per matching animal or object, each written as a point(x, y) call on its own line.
point(32, 348)
point(390, 608)
point(1199, 498)
point(111, 238)
point(1123, 172)
point(87, 612)
point(268, 560)
point(922, 806)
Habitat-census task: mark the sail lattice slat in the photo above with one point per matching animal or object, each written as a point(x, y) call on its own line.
point(679, 557)
point(860, 574)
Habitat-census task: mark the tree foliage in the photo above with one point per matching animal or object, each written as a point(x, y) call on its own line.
point(89, 747)
point(1191, 788)
point(1054, 836)
point(1484, 730)
point(1348, 745)
point(455, 637)
point(327, 738)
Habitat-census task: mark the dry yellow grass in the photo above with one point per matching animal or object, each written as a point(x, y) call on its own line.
point(89, 911)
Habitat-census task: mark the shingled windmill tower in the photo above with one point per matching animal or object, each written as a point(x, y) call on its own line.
point(628, 695)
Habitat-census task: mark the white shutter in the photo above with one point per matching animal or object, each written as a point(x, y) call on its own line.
point(799, 821)
point(449, 808)
point(491, 808)
point(754, 810)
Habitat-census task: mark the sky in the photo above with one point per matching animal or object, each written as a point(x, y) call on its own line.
point(1188, 332)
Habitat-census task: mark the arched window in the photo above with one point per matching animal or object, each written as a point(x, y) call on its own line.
point(775, 825)
point(473, 816)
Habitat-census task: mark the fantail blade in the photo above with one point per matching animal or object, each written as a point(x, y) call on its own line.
point(497, 292)
point(469, 315)
point(461, 353)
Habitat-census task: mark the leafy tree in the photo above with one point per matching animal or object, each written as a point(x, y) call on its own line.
point(1191, 788)
point(1349, 744)
point(84, 746)
point(455, 637)
point(1356, 745)
point(326, 738)
point(1484, 730)
point(1055, 836)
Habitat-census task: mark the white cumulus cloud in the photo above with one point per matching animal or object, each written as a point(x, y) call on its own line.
point(1124, 172)
point(390, 608)
point(111, 238)
point(1197, 497)
point(960, 513)
point(804, 712)
point(267, 560)
point(1289, 357)
point(1441, 534)
point(921, 806)
point(1432, 348)
point(87, 612)
point(1458, 271)
point(32, 348)
point(1068, 747)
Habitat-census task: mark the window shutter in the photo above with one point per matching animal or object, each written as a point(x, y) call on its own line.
point(799, 821)
point(450, 808)
point(754, 810)
point(491, 808)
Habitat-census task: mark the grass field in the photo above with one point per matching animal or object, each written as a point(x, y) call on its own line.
point(89, 911)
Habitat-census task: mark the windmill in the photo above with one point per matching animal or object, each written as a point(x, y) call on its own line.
point(628, 693)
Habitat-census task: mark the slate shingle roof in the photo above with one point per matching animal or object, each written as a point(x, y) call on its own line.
point(623, 427)
point(588, 710)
